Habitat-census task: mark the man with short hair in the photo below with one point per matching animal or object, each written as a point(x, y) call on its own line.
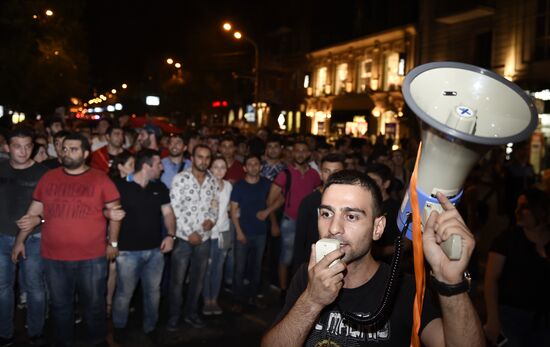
point(174, 163)
point(53, 126)
point(272, 163)
point(350, 212)
point(100, 139)
point(228, 150)
point(141, 246)
point(18, 177)
point(289, 188)
point(307, 232)
point(194, 198)
point(103, 157)
point(249, 196)
point(70, 202)
point(57, 160)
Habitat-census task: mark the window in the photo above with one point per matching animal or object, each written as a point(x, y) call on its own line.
point(321, 80)
point(542, 30)
point(364, 74)
point(341, 79)
point(391, 72)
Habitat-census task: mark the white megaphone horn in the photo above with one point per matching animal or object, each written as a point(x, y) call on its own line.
point(462, 110)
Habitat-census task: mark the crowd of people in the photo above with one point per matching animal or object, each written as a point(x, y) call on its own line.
point(88, 214)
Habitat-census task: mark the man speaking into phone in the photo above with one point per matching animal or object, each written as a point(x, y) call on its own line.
point(350, 213)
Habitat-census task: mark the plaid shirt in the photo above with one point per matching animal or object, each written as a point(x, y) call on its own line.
point(271, 171)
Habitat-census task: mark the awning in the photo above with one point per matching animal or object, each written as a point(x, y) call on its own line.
point(352, 103)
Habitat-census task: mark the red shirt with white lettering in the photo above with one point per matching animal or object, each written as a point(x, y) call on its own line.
point(75, 228)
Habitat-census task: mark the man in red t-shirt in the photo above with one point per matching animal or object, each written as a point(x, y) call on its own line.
point(71, 202)
point(102, 158)
point(235, 171)
point(303, 181)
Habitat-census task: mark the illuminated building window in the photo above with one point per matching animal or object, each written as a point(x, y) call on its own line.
point(391, 72)
point(341, 78)
point(320, 81)
point(364, 74)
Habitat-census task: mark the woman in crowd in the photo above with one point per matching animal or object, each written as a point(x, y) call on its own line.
point(517, 279)
point(220, 241)
point(39, 152)
point(122, 168)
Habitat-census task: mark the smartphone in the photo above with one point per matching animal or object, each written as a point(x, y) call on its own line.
point(324, 247)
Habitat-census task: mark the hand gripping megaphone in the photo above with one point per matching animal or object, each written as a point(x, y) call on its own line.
point(462, 110)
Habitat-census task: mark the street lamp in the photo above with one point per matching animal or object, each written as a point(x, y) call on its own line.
point(238, 35)
point(49, 13)
point(177, 65)
point(170, 61)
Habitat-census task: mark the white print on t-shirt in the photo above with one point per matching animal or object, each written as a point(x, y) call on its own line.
point(339, 326)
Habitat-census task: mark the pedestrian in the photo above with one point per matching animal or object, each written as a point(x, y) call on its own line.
point(194, 199)
point(71, 201)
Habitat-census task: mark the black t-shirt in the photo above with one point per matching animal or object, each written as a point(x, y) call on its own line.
point(52, 163)
point(525, 279)
point(332, 330)
point(16, 188)
point(141, 227)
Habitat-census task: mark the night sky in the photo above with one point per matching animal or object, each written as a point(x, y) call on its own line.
point(129, 40)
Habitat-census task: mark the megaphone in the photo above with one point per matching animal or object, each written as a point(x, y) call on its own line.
point(462, 110)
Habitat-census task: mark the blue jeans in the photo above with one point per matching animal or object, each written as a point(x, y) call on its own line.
point(249, 255)
point(185, 255)
point(288, 234)
point(133, 266)
point(214, 272)
point(88, 278)
point(32, 273)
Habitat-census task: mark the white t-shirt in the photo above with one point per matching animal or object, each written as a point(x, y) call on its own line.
point(222, 224)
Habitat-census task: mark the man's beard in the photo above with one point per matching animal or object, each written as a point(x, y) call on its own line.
point(71, 164)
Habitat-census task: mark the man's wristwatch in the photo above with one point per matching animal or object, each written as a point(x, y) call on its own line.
point(451, 289)
point(113, 244)
point(42, 221)
point(174, 237)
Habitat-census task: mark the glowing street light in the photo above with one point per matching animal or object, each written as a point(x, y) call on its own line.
point(226, 26)
point(124, 86)
point(113, 91)
point(170, 61)
point(237, 35)
point(49, 13)
point(177, 65)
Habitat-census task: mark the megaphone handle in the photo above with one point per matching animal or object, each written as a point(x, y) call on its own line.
point(452, 247)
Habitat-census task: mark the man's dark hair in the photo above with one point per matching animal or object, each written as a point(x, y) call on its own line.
point(380, 170)
point(334, 158)
point(145, 156)
point(324, 145)
point(357, 178)
point(84, 143)
point(113, 127)
point(20, 132)
point(228, 138)
point(251, 156)
point(274, 138)
point(300, 142)
point(61, 134)
point(51, 121)
point(201, 145)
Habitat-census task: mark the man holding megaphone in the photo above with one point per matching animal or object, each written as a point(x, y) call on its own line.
point(349, 279)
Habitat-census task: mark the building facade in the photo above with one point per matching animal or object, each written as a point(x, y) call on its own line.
point(355, 88)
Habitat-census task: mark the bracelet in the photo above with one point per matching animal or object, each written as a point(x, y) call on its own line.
point(42, 221)
point(173, 237)
point(451, 289)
